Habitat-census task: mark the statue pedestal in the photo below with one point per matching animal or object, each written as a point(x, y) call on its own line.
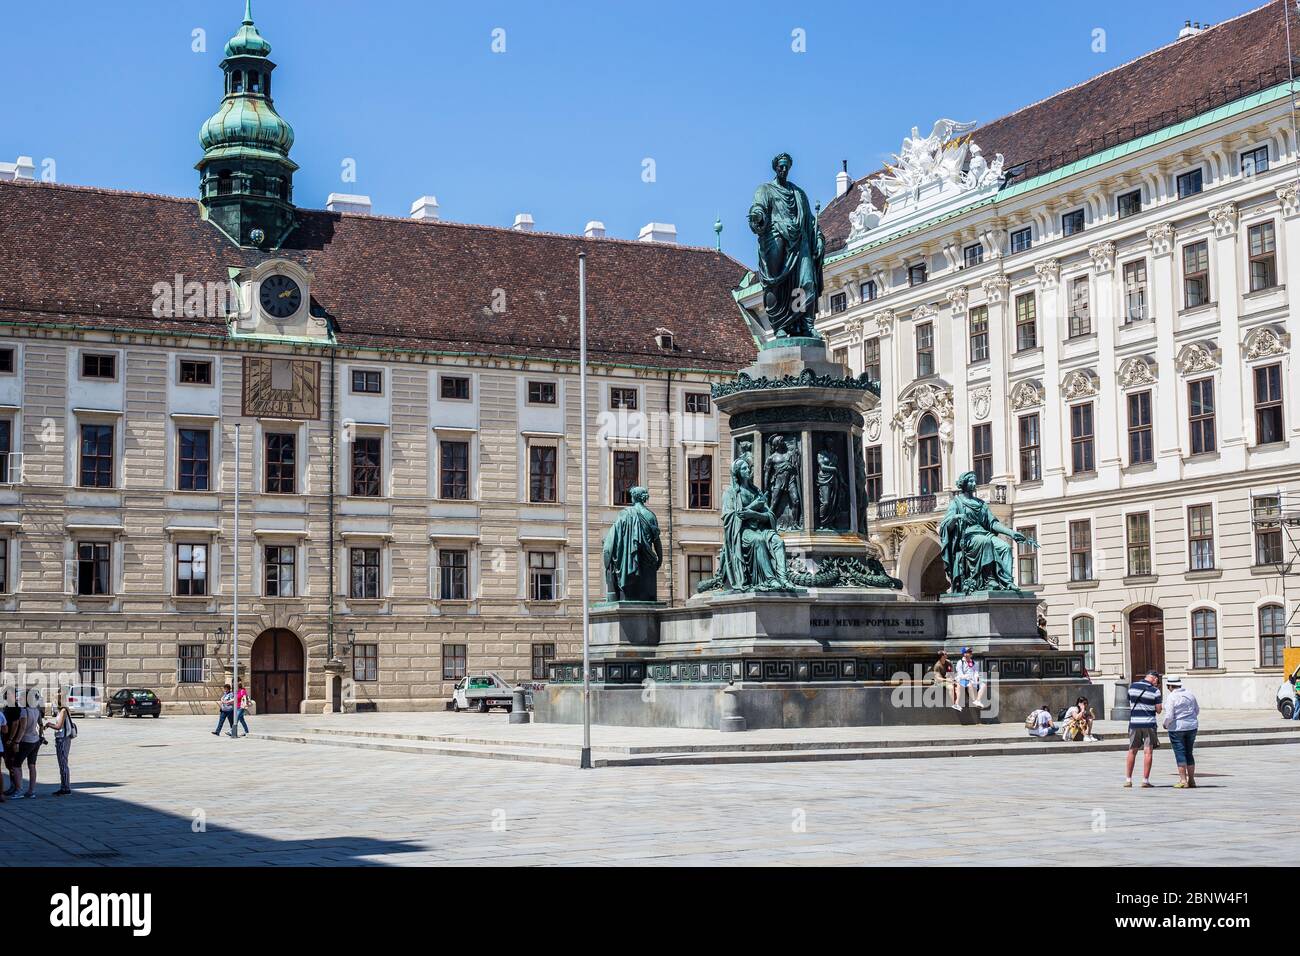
point(625, 624)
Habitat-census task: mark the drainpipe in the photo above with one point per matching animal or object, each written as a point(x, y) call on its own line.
point(329, 690)
point(672, 464)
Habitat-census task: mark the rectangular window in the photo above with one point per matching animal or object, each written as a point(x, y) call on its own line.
point(698, 403)
point(868, 290)
point(195, 372)
point(1254, 161)
point(542, 460)
point(367, 454)
point(972, 255)
point(1262, 245)
point(1200, 537)
point(699, 477)
point(363, 568)
point(1027, 558)
point(454, 387)
point(94, 568)
point(1272, 635)
point(1205, 639)
point(979, 333)
point(925, 349)
point(543, 654)
point(1072, 222)
point(917, 274)
point(1200, 409)
point(453, 470)
point(97, 456)
point(871, 358)
point(543, 583)
point(6, 361)
point(1129, 204)
point(626, 473)
point(191, 569)
point(6, 449)
point(90, 665)
point(1081, 550)
point(1080, 308)
point(281, 463)
point(840, 356)
point(1084, 635)
point(94, 365)
point(699, 568)
point(1135, 291)
point(623, 398)
point(1266, 512)
point(1081, 439)
point(1022, 240)
point(1030, 449)
point(1190, 183)
point(1268, 404)
point(189, 663)
point(367, 381)
point(541, 393)
point(365, 662)
point(981, 439)
point(839, 302)
point(875, 472)
point(1140, 444)
point(1196, 274)
point(195, 462)
point(279, 578)
point(1137, 529)
point(454, 661)
point(453, 574)
point(1026, 322)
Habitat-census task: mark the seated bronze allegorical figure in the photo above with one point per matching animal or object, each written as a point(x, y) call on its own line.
point(753, 554)
point(974, 555)
point(632, 553)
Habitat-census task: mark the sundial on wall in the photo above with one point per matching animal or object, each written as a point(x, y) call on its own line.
point(281, 388)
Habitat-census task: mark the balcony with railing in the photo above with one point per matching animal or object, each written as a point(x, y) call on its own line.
point(912, 506)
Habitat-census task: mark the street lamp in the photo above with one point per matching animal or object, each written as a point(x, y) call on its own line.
point(352, 641)
point(221, 637)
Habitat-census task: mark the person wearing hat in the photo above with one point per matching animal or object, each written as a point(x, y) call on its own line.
point(1145, 702)
point(1181, 720)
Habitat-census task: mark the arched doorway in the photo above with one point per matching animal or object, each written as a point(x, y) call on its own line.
point(934, 580)
point(921, 568)
point(277, 669)
point(1146, 639)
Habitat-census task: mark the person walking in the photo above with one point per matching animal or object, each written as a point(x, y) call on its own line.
point(64, 730)
point(29, 743)
point(227, 712)
point(1182, 718)
point(241, 708)
point(1145, 702)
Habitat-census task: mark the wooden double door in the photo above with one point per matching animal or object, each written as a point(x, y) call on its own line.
point(1146, 636)
point(277, 670)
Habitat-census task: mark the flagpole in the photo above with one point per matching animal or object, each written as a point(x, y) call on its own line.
point(585, 761)
point(234, 625)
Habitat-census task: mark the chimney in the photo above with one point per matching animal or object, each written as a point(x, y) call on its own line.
point(594, 229)
point(523, 222)
point(658, 232)
point(842, 179)
point(23, 169)
point(1189, 29)
point(342, 202)
point(425, 208)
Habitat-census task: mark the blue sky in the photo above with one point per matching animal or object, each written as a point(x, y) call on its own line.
point(561, 123)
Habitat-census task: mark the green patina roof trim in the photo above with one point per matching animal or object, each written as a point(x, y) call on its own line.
point(1091, 161)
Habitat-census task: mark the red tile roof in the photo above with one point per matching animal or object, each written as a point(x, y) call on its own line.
point(85, 256)
point(1188, 77)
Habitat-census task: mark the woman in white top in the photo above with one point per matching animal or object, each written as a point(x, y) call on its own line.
point(1182, 719)
point(29, 743)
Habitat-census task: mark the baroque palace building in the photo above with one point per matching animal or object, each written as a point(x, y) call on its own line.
point(1088, 304)
point(396, 399)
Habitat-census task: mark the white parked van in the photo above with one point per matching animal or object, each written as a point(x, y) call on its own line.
point(85, 700)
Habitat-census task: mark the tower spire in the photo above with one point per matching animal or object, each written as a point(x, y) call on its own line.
point(248, 12)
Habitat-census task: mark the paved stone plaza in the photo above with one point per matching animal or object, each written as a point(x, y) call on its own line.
point(143, 788)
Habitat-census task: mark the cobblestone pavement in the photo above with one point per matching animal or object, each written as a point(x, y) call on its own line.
point(165, 791)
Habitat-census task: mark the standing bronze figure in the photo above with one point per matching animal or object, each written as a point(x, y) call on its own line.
point(632, 553)
point(791, 249)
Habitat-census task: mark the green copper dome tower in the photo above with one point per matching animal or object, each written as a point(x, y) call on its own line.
point(246, 175)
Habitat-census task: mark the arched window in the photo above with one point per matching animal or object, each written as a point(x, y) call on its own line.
point(1272, 635)
point(254, 81)
point(1205, 638)
point(930, 469)
point(258, 187)
point(237, 81)
point(224, 181)
point(1083, 632)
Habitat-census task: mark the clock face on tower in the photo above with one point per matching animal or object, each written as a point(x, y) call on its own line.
point(280, 296)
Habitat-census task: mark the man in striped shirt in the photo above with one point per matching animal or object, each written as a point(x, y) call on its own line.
point(1145, 703)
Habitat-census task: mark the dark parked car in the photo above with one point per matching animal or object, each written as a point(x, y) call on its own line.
point(134, 702)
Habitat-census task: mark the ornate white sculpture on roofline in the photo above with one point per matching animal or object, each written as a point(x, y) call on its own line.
point(927, 172)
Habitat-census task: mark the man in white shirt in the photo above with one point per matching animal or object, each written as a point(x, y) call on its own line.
point(1040, 723)
point(968, 680)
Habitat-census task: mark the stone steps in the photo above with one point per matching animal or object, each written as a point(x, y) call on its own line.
point(425, 748)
